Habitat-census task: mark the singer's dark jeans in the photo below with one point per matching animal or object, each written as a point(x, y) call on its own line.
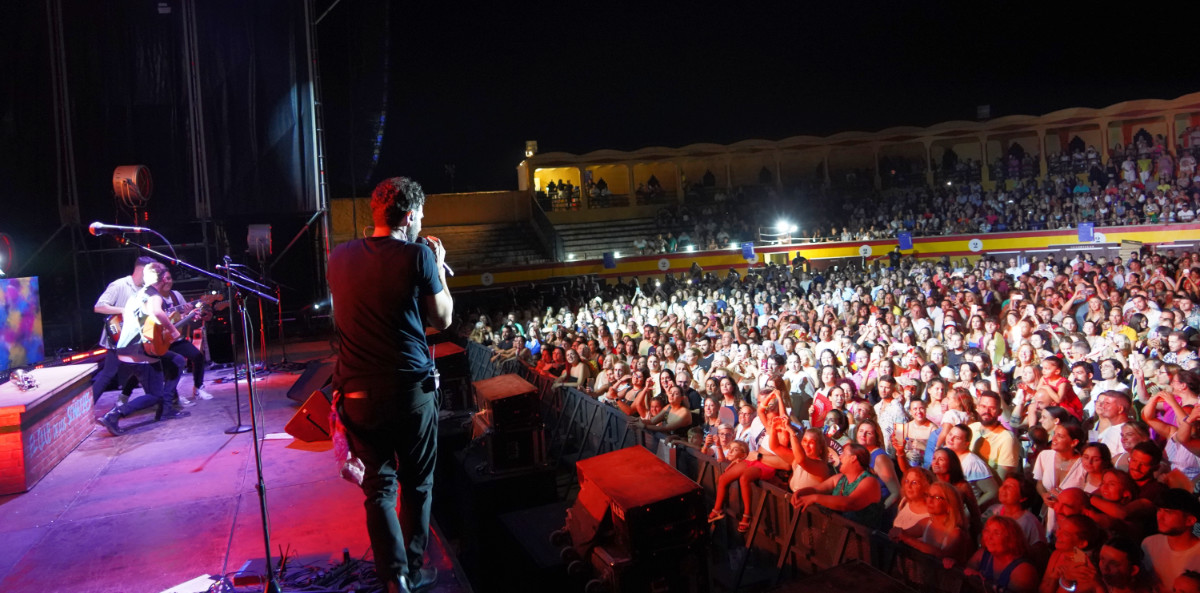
point(395, 436)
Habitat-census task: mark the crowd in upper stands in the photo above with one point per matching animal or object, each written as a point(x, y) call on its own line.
point(1031, 421)
point(1142, 183)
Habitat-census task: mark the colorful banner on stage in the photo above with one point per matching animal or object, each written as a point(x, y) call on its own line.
point(21, 341)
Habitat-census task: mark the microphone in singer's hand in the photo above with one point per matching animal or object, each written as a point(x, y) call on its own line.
point(430, 241)
point(99, 228)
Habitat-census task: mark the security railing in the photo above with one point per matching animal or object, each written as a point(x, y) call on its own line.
point(788, 542)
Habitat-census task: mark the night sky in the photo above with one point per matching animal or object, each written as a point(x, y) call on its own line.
point(481, 82)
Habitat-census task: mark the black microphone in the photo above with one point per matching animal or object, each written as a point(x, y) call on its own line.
point(99, 228)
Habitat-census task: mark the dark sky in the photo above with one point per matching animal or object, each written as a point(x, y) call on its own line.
point(477, 83)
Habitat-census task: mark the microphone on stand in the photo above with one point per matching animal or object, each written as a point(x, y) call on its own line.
point(99, 228)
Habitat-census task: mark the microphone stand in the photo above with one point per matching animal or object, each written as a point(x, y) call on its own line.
point(252, 396)
point(233, 349)
point(261, 319)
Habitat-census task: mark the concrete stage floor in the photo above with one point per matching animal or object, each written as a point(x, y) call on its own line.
point(174, 500)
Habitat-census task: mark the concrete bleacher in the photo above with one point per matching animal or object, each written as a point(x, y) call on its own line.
point(589, 240)
point(486, 246)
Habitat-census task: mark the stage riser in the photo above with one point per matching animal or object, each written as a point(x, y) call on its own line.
point(38, 428)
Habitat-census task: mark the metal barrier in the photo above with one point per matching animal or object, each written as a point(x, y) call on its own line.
point(791, 543)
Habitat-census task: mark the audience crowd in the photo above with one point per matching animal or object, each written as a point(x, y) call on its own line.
point(1143, 183)
point(1033, 422)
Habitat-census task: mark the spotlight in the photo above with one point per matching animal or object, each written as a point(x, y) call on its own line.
point(316, 306)
point(691, 248)
point(782, 225)
point(793, 228)
point(616, 254)
point(570, 256)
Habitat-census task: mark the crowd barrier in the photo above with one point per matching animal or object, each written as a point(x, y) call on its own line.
point(781, 539)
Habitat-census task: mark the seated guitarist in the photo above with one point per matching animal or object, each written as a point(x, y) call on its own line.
point(184, 347)
point(145, 304)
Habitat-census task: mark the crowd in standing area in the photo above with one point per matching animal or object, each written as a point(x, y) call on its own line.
point(1032, 421)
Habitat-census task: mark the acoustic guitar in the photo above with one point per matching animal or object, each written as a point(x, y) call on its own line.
point(156, 340)
point(113, 323)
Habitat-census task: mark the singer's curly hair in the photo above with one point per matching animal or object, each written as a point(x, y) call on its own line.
point(393, 198)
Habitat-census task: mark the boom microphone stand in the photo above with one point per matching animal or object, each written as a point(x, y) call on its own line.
point(240, 294)
point(233, 349)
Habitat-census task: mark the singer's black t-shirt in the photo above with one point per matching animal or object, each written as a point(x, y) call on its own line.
point(378, 285)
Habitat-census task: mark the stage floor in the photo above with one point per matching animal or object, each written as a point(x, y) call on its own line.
point(171, 501)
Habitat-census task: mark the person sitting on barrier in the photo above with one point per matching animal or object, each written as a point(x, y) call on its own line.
point(854, 491)
point(674, 418)
point(809, 455)
point(947, 468)
point(943, 534)
point(1003, 561)
point(745, 468)
point(913, 487)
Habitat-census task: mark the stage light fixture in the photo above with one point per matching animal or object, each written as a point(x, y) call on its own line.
point(691, 248)
point(616, 254)
point(570, 257)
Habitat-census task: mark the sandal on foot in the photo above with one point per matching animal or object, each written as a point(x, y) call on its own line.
point(715, 516)
point(744, 525)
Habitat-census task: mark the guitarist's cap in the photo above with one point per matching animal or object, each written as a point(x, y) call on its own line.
point(143, 261)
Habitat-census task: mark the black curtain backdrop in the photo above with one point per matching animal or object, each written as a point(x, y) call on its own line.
point(126, 78)
point(126, 75)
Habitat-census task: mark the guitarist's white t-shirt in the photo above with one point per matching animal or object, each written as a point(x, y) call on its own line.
point(129, 347)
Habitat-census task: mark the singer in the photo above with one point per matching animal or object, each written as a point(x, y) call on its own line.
point(385, 289)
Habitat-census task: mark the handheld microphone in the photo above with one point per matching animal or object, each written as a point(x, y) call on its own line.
point(428, 241)
point(99, 228)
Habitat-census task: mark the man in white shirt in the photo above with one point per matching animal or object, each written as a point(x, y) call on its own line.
point(1174, 549)
point(1112, 411)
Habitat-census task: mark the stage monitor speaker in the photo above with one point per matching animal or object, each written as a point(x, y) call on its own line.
point(654, 509)
point(511, 449)
point(311, 421)
point(511, 401)
point(316, 375)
